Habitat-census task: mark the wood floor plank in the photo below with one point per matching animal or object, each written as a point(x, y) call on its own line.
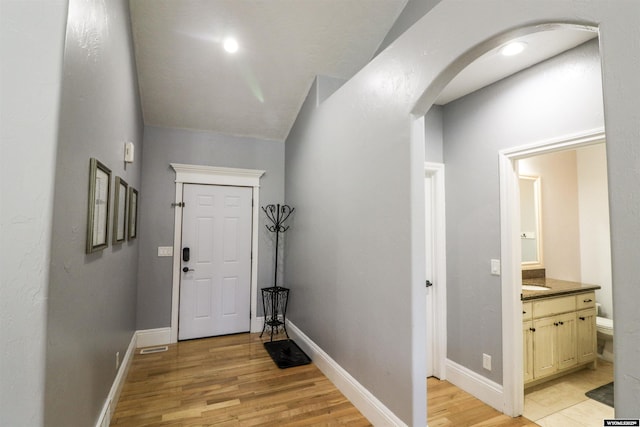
point(447, 405)
point(232, 381)
point(227, 380)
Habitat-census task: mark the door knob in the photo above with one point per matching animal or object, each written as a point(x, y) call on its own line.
point(187, 269)
point(428, 284)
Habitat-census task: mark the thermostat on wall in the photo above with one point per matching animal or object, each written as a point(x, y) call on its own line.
point(128, 152)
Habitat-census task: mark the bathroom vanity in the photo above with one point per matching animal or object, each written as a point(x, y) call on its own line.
point(559, 328)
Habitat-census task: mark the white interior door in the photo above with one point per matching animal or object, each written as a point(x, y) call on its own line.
point(429, 251)
point(435, 271)
point(215, 289)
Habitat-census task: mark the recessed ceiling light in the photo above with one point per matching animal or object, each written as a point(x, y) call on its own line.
point(513, 48)
point(230, 45)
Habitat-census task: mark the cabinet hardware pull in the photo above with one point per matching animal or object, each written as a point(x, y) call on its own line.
point(524, 312)
point(588, 300)
point(555, 323)
point(562, 323)
point(532, 329)
point(581, 318)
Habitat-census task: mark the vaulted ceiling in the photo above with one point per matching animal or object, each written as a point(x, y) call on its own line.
point(187, 79)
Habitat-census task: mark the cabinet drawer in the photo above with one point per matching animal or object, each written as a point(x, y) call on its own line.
point(527, 311)
point(587, 315)
point(587, 300)
point(553, 306)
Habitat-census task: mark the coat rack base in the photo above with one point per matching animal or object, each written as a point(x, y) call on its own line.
point(274, 303)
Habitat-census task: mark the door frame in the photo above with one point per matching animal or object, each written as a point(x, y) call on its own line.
point(435, 171)
point(214, 175)
point(510, 248)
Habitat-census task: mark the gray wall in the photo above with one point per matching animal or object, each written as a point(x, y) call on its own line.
point(355, 258)
point(433, 135)
point(163, 146)
point(91, 306)
point(558, 97)
point(31, 48)
point(347, 260)
point(412, 12)
point(326, 86)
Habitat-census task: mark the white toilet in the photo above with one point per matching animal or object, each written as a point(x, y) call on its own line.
point(604, 327)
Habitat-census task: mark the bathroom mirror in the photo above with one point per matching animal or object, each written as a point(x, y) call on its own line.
point(530, 222)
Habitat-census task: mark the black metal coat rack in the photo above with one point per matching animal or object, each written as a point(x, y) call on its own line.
point(277, 214)
point(275, 299)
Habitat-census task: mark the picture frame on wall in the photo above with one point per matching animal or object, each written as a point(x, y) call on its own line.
point(133, 213)
point(98, 208)
point(120, 204)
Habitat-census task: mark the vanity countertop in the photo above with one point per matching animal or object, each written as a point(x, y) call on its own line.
point(556, 288)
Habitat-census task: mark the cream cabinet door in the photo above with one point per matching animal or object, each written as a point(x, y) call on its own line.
point(527, 350)
point(586, 325)
point(544, 345)
point(566, 340)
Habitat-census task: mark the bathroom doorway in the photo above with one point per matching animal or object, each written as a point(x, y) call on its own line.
point(559, 96)
point(576, 248)
point(573, 210)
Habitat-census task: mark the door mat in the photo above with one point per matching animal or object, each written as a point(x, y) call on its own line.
point(603, 394)
point(286, 353)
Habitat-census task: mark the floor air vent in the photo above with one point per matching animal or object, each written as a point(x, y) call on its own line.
point(151, 350)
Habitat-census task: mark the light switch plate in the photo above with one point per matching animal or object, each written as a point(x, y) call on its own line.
point(495, 267)
point(165, 250)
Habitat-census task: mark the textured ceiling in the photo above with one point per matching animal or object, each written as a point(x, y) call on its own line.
point(493, 66)
point(188, 81)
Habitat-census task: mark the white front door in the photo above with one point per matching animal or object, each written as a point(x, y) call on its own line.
point(215, 285)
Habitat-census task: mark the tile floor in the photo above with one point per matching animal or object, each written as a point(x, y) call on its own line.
point(562, 402)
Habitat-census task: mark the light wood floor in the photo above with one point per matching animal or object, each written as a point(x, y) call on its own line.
point(447, 405)
point(232, 380)
point(227, 380)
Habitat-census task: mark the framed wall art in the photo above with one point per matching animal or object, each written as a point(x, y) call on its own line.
point(98, 209)
point(133, 213)
point(120, 202)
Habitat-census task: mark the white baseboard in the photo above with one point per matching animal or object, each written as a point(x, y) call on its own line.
point(480, 387)
point(374, 410)
point(257, 324)
point(151, 337)
point(114, 394)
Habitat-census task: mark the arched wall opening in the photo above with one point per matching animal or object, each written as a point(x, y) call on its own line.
point(431, 93)
point(357, 146)
point(506, 99)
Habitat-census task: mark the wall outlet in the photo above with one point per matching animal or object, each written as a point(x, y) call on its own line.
point(117, 360)
point(486, 361)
